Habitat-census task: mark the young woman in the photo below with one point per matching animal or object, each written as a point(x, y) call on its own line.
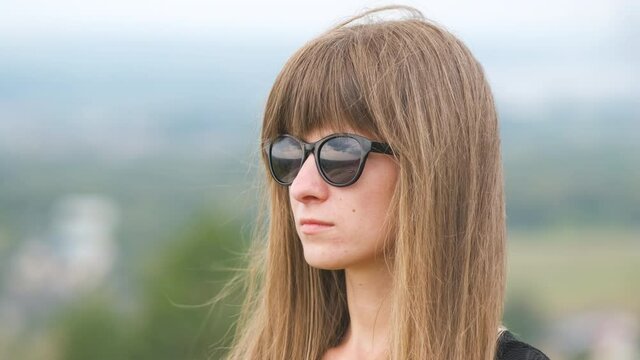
point(385, 236)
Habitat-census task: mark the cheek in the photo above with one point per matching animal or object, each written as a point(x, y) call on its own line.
point(365, 215)
point(370, 209)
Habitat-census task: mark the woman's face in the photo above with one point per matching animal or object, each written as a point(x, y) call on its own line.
point(355, 214)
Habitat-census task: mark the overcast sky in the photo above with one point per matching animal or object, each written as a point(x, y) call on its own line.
point(540, 49)
point(27, 18)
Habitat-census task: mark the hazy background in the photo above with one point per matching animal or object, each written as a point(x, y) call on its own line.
point(128, 139)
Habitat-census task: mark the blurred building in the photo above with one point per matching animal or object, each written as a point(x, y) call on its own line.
point(76, 254)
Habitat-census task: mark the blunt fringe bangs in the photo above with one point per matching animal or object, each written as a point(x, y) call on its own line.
point(320, 87)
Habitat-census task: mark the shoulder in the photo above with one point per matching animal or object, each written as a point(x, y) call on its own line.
point(510, 348)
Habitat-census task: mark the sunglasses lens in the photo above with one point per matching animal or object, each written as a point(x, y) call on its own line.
point(340, 159)
point(286, 159)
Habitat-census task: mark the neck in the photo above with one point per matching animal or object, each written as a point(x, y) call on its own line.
point(368, 299)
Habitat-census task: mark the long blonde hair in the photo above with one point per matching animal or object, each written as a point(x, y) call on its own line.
point(412, 84)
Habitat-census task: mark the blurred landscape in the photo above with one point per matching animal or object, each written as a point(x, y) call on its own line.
point(128, 169)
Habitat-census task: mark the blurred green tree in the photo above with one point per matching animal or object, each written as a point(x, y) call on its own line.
point(176, 318)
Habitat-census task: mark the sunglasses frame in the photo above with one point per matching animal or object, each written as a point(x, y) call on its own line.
point(367, 145)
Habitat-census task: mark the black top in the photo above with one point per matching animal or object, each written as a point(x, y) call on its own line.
point(510, 348)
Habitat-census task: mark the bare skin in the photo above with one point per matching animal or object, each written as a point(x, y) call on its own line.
point(368, 332)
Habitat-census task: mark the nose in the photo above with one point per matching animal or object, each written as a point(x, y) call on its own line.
point(308, 184)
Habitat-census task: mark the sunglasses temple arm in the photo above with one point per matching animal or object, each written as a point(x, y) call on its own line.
point(381, 148)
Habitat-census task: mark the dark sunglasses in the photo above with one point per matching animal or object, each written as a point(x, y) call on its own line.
point(339, 157)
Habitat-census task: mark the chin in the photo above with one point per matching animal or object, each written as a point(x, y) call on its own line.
point(323, 267)
point(326, 261)
point(325, 264)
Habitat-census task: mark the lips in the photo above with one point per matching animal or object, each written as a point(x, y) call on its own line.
point(313, 226)
point(314, 222)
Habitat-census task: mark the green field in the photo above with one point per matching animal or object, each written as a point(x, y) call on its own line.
point(570, 271)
